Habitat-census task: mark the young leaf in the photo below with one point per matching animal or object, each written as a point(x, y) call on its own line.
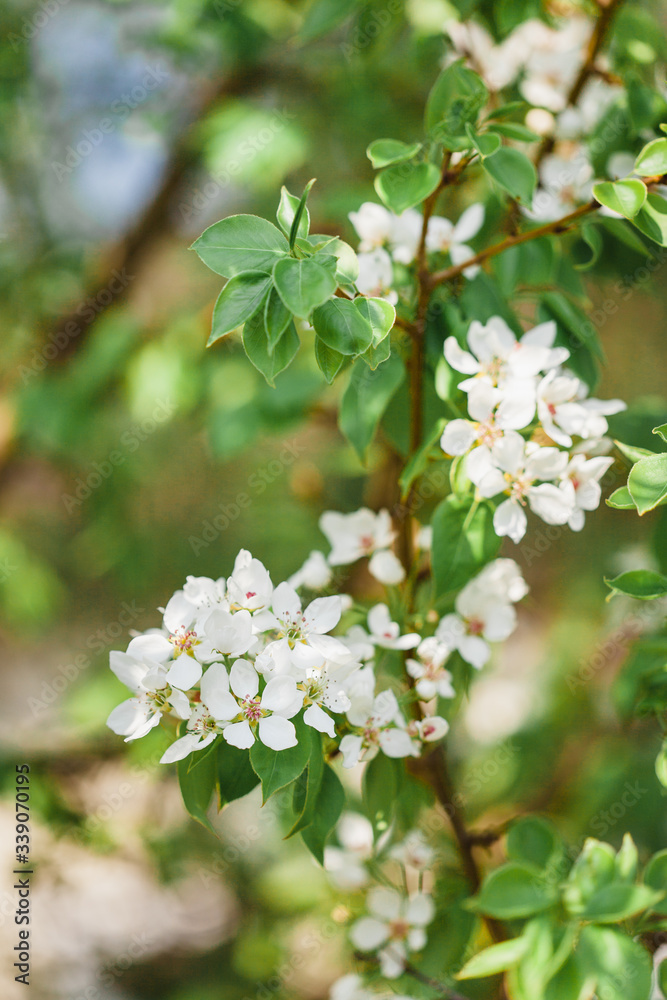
point(625, 196)
point(379, 313)
point(305, 284)
point(384, 152)
point(534, 840)
point(197, 787)
point(652, 161)
point(486, 144)
point(513, 130)
point(329, 806)
point(406, 185)
point(618, 901)
point(497, 958)
point(632, 451)
point(456, 97)
point(661, 431)
point(276, 318)
point(256, 344)
point(621, 499)
point(643, 584)
point(241, 243)
point(647, 482)
point(328, 360)
point(347, 270)
point(287, 209)
point(365, 400)
point(241, 297)
point(627, 858)
point(620, 966)
point(655, 876)
point(514, 890)
point(340, 325)
point(235, 774)
point(278, 768)
point(298, 214)
point(514, 173)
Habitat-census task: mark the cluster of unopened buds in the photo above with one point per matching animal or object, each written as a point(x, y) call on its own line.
point(241, 659)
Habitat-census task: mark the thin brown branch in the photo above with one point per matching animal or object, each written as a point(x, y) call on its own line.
point(548, 229)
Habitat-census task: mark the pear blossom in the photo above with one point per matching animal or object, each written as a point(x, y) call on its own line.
point(203, 726)
point(594, 101)
point(564, 184)
point(345, 865)
point(524, 472)
point(481, 617)
point(302, 639)
point(428, 671)
point(584, 475)
point(497, 63)
point(503, 580)
point(325, 690)
point(497, 357)
point(430, 729)
point(376, 275)
point(354, 535)
point(378, 228)
point(564, 411)
point(553, 59)
point(315, 574)
point(386, 567)
point(249, 715)
point(396, 926)
point(380, 726)
point(153, 697)
point(223, 634)
point(386, 633)
point(413, 851)
point(443, 236)
point(249, 587)
point(493, 411)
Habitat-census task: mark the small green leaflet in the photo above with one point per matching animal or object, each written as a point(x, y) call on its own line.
point(241, 243)
point(241, 297)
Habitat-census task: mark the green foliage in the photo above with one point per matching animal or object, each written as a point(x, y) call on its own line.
point(463, 541)
point(366, 398)
point(641, 583)
point(406, 185)
point(241, 243)
point(625, 197)
point(513, 172)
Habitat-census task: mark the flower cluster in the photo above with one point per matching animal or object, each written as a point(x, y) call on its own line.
point(240, 658)
point(387, 238)
point(554, 465)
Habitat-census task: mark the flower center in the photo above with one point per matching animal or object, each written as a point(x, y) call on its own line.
point(366, 542)
point(488, 433)
point(183, 641)
point(399, 929)
point(251, 710)
point(518, 488)
point(475, 626)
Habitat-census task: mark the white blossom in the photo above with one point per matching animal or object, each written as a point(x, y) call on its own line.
point(396, 926)
point(428, 671)
point(444, 237)
point(354, 535)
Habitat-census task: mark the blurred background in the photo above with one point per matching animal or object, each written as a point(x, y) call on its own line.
point(130, 457)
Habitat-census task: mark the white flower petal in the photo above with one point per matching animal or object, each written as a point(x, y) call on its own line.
point(239, 734)
point(277, 733)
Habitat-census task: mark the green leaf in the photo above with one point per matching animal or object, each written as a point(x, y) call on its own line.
point(460, 549)
point(276, 319)
point(379, 313)
point(299, 213)
point(513, 130)
point(571, 982)
point(348, 263)
point(328, 360)
point(366, 398)
point(661, 765)
point(341, 326)
point(621, 499)
point(256, 344)
point(512, 891)
point(307, 786)
point(662, 431)
point(643, 584)
point(497, 958)
point(240, 299)
point(287, 209)
point(278, 768)
point(406, 185)
point(618, 901)
point(513, 172)
point(655, 876)
point(323, 16)
point(241, 243)
point(590, 234)
point(621, 967)
point(594, 868)
point(486, 143)
point(625, 197)
point(652, 161)
point(573, 321)
point(235, 773)
point(652, 219)
point(381, 785)
point(374, 356)
point(662, 977)
point(647, 482)
point(633, 452)
point(456, 97)
point(305, 284)
point(197, 787)
point(384, 152)
point(329, 806)
point(534, 840)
